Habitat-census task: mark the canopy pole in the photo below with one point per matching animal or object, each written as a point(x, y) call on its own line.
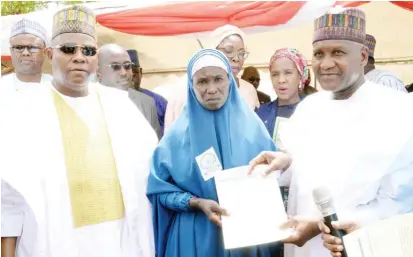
point(200, 43)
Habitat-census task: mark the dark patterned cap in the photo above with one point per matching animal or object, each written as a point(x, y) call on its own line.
point(74, 19)
point(371, 44)
point(133, 54)
point(341, 24)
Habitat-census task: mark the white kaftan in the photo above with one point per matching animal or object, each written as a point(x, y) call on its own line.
point(361, 148)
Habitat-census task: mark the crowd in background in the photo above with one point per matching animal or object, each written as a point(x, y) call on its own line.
point(97, 165)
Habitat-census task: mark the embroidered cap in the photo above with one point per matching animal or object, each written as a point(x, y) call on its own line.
point(133, 54)
point(26, 26)
point(341, 24)
point(74, 19)
point(371, 44)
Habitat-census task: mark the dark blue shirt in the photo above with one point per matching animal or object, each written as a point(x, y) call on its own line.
point(160, 103)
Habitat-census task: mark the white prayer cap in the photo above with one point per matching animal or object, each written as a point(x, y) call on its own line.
point(208, 60)
point(26, 26)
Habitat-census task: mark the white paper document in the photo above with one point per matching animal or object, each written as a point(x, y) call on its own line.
point(255, 206)
point(387, 238)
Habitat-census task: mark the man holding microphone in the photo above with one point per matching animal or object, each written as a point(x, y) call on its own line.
point(359, 149)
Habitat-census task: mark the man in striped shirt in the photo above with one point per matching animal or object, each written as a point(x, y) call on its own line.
point(382, 77)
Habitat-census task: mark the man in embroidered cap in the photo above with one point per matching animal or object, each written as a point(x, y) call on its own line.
point(76, 158)
point(160, 102)
point(115, 70)
point(381, 77)
point(28, 41)
point(358, 149)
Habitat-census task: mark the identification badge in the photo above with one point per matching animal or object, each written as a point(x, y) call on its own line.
point(208, 164)
point(280, 124)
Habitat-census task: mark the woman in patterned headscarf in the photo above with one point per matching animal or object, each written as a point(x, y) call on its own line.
point(290, 79)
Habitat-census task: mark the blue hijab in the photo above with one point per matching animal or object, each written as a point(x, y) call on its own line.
point(236, 134)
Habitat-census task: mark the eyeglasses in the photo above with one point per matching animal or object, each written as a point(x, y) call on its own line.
point(242, 55)
point(72, 48)
point(118, 66)
point(31, 49)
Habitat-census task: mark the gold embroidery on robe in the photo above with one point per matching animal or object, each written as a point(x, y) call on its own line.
point(94, 187)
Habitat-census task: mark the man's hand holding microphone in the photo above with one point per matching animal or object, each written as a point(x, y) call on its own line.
point(305, 229)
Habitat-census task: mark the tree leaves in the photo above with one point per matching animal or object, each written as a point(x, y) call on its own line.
point(20, 7)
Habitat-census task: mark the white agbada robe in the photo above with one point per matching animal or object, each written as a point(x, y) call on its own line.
point(35, 193)
point(385, 78)
point(361, 148)
point(11, 82)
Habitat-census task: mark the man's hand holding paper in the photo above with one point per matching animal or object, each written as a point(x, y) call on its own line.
point(273, 160)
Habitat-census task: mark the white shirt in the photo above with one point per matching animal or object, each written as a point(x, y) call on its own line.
point(385, 78)
point(359, 149)
point(12, 82)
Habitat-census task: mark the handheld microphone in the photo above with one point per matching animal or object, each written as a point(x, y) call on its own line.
point(324, 201)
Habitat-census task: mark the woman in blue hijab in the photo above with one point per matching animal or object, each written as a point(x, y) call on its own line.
point(185, 205)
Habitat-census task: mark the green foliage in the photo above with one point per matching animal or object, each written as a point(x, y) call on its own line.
point(74, 2)
point(20, 7)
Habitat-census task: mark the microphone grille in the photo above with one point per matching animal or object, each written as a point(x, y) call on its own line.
point(322, 198)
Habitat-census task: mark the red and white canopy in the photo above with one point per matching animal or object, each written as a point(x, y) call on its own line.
point(193, 18)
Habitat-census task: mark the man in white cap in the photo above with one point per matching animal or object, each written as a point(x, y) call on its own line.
point(381, 77)
point(28, 39)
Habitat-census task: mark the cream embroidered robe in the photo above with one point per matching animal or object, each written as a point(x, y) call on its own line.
point(75, 174)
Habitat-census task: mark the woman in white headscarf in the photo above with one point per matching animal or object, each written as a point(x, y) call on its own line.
point(230, 40)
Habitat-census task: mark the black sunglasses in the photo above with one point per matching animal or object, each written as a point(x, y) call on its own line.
point(252, 79)
point(72, 48)
point(118, 66)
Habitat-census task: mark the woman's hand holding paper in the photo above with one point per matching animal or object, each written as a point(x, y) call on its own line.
point(211, 209)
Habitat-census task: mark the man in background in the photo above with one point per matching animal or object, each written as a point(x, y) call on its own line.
point(160, 102)
point(28, 40)
point(252, 76)
point(409, 88)
point(381, 77)
point(115, 70)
